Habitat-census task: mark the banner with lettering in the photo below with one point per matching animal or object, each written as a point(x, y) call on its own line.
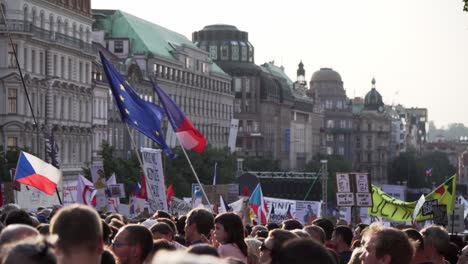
point(155, 184)
point(303, 211)
point(388, 207)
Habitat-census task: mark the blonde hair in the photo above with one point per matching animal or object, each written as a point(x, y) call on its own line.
point(253, 250)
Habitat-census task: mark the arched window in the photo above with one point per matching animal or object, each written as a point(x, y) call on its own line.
point(65, 27)
point(59, 25)
point(42, 20)
point(80, 36)
point(33, 16)
point(2, 11)
point(51, 22)
point(25, 13)
point(74, 30)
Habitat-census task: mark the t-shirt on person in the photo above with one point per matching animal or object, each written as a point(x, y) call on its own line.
point(231, 250)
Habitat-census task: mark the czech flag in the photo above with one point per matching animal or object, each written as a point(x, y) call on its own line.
point(258, 205)
point(37, 173)
point(189, 136)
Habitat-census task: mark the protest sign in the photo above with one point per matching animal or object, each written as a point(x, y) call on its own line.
point(155, 184)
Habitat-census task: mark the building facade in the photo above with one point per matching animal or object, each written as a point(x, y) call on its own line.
point(273, 121)
point(53, 42)
point(142, 51)
point(326, 87)
point(372, 137)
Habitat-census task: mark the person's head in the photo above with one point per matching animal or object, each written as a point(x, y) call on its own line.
point(159, 245)
point(257, 228)
point(114, 216)
point(132, 244)
point(386, 245)
point(463, 257)
point(30, 251)
point(358, 230)
point(161, 214)
point(199, 222)
point(436, 241)
point(316, 232)
point(416, 238)
point(301, 233)
point(272, 226)
point(271, 245)
point(302, 251)
point(203, 249)
point(44, 229)
point(342, 237)
point(356, 256)
point(79, 229)
point(162, 230)
point(180, 224)
point(253, 250)
point(18, 217)
point(17, 232)
point(452, 253)
point(291, 224)
point(229, 229)
point(326, 225)
point(108, 257)
point(170, 223)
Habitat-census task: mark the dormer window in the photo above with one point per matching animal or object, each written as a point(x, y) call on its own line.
point(224, 52)
point(214, 52)
point(118, 46)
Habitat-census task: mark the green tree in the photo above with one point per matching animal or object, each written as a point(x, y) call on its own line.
point(335, 163)
point(9, 160)
point(412, 168)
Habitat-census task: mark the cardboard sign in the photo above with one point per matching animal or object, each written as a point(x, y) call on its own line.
point(343, 183)
point(345, 199)
point(440, 215)
point(362, 183)
point(364, 199)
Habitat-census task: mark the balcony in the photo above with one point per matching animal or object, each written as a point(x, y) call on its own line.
point(21, 26)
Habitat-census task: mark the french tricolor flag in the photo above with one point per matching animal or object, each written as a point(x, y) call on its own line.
point(37, 173)
point(189, 136)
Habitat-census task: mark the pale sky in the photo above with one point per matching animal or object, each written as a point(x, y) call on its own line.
point(417, 50)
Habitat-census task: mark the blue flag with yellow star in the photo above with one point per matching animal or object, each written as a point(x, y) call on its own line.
point(142, 115)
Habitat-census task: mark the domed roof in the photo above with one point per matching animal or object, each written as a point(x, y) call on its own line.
point(326, 74)
point(220, 27)
point(373, 99)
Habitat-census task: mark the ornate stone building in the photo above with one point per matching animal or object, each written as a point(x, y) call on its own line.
point(326, 87)
point(53, 42)
point(275, 121)
point(141, 50)
point(372, 137)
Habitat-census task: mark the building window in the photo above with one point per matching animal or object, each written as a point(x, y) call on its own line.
point(12, 101)
point(69, 68)
point(118, 46)
point(214, 52)
point(12, 143)
point(11, 55)
point(204, 67)
point(25, 59)
point(80, 77)
point(55, 65)
point(244, 53)
point(33, 61)
point(234, 51)
point(86, 73)
point(343, 123)
point(41, 63)
point(237, 85)
point(330, 124)
point(329, 137)
point(224, 52)
point(341, 137)
point(62, 67)
point(328, 104)
point(188, 62)
point(341, 150)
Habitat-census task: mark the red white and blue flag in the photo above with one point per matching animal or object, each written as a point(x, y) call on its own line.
point(258, 205)
point(37, 173)
point(189, 136)
point(429, 172)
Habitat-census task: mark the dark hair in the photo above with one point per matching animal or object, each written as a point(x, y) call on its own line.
point(203, 249)
point(170, 223)
point(272, 226)
point(234, 228)
point(139, 235)
point(106, 232)
point(161, 214)
point(415, 236)
point(162, 244)
point(291, 224)
point(180, 239)
point(162, 228)
point(115, 216)
point(262, 233)
point(108, 257)
point(203, 220)
point(77, 226)
point(279, 237)
point(345, 233)
point(180, 224)
point(18, 217)
point(298, 251)
point(326, 225)
point(36, 250)
point(44, 229)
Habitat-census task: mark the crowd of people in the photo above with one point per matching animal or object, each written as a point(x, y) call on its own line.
point(79, 234)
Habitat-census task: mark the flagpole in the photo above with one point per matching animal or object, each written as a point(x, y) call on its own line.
point(195, 174)
point(138, 156)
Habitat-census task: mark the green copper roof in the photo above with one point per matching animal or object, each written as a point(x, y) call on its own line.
point(277, 71)
point(145, 37)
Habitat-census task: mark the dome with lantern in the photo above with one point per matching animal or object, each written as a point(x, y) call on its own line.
point(373, 99)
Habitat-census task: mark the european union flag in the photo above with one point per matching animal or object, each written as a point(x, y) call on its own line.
point(142, 115)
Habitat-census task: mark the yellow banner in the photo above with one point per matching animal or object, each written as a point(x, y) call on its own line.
point(390, 208)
